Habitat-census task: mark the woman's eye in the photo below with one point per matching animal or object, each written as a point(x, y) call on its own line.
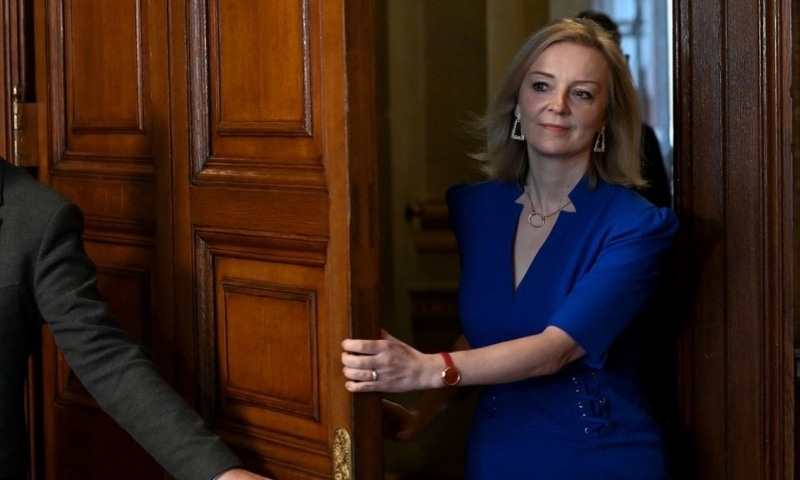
point(583, 94)
point(539, 86)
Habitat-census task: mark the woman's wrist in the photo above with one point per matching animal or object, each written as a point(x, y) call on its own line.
point(433, 375)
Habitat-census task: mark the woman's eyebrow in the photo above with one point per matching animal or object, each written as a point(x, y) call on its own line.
point(550, 75)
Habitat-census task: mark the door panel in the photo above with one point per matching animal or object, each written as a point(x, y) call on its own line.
point(106, 63)
point(263, 312)
point(226, 169)
point(255, 107)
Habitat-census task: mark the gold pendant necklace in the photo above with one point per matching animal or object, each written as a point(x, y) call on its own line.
point(537, 220)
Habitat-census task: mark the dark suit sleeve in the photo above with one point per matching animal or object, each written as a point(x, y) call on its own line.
point(114, 367)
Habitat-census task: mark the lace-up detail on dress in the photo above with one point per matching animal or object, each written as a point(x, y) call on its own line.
point(592, 406)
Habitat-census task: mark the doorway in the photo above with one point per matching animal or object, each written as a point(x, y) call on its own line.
point(438, 66)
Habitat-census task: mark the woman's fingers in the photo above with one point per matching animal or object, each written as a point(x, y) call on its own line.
point(360, 361)
point(361, 374)
point(363, 347)
point(355, 386)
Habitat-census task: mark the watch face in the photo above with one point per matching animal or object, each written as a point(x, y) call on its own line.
point(451, 376)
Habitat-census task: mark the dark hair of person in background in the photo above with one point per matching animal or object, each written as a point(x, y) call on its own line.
point(657, 190)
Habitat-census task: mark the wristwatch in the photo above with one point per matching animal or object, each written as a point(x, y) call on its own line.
point(451, 376)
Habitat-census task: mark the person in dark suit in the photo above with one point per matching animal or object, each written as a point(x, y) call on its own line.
point(657, 190)
point(45, 276)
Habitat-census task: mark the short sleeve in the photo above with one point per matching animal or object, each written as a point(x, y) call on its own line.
point(609, 296)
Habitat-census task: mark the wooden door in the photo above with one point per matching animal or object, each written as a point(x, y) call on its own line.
point(223, 154)
point(736, 195)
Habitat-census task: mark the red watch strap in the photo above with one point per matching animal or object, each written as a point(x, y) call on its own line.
point(448, 360)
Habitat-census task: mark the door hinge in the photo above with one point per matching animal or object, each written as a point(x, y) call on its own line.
point(342, 455)
point(24, 130)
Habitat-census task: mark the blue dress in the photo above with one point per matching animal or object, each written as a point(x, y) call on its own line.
point(592, 278)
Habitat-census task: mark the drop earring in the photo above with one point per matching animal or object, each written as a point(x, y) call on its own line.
point(516, 129)
point(600, 141)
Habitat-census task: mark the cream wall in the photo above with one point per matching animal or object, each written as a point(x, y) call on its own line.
point(508, 24)
point(568, 8)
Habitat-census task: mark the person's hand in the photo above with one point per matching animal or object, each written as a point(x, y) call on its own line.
point(398, 423)
point(240, 474)
point(388, 365)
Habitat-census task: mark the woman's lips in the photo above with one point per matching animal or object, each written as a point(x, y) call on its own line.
point(550, 127)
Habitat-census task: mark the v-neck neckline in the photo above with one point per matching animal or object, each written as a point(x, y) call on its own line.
point(545, 252)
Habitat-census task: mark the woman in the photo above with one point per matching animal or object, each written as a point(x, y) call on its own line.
point(559, 256)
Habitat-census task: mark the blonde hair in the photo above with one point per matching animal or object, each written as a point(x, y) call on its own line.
point(506, 159)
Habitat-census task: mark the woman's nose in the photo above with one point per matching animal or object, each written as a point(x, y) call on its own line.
point(558, 104)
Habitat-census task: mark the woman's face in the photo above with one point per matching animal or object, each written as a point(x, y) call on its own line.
point(563, 101)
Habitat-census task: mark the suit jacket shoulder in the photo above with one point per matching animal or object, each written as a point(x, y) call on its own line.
point(19, 189)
